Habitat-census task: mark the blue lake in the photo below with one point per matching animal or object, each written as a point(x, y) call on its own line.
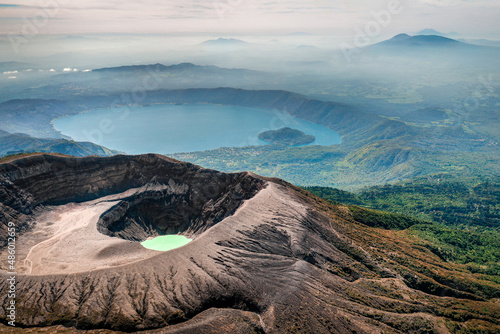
point(169, 128)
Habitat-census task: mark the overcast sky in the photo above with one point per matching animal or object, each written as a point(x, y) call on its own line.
point(474, 18)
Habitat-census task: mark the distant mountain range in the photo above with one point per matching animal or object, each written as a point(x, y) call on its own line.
point(424, 46)
point(405, 40)
point(181, 68)
point(157, 67)
point(149, 76)
point(437, 33)
point(225, 42)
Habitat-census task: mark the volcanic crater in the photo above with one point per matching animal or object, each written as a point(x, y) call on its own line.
point(266, 257)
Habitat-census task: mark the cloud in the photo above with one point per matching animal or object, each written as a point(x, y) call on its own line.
point(234, 16)
point(441, 3)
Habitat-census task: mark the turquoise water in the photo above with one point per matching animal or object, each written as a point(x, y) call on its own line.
point(169, 128)
point(166, 242)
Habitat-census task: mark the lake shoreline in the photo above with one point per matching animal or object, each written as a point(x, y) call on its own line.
point(179, 128)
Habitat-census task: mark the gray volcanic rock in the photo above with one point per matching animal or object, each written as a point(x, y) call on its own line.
point(266, 257)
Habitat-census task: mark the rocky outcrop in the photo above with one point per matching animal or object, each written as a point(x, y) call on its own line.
point(266, 257)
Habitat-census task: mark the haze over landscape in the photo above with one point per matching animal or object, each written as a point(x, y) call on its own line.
point(235, 166)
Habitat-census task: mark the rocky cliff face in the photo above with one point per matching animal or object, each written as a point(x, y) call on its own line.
point(266, 257)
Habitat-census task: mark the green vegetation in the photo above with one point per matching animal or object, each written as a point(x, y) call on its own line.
point(440, 198)
point(287, 137)
point(387, 220)
point(457, 220)
point(345, 167)
point(479, 249)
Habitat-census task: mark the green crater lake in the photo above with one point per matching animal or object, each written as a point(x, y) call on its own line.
point(166, 242)
point(169, 128)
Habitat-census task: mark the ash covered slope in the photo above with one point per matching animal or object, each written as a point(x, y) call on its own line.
point(266, 258)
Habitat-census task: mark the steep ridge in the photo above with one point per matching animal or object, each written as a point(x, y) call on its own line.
point(266, 257)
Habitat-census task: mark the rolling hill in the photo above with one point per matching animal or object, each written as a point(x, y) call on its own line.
point(18, 143)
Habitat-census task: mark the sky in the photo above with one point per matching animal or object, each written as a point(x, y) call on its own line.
point(471, 18)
